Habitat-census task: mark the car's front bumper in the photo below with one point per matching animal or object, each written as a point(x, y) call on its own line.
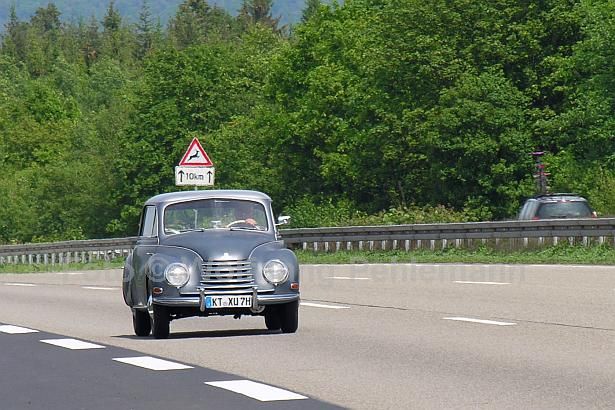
point(198, 301)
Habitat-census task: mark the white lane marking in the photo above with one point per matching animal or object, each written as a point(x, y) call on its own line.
point(485, 322)
point(14, 330)
point(318, 305)
point(347, 278)
point(72, 344)
point(481, 283)
point(258, 391)
point(152, 363)
point(20, 284)
point(98, 288)
point(70, 273)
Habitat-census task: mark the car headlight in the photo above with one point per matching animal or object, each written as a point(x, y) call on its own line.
point(177, 274)
point(275, 271)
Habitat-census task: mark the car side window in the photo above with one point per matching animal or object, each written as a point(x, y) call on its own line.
point(149, 222)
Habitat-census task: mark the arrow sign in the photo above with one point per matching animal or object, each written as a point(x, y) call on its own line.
point(195, 156)
point(194, 176)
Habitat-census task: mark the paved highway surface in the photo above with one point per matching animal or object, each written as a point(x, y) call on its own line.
point(370, 337)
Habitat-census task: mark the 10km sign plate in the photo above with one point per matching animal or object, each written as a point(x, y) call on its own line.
point(194, 176)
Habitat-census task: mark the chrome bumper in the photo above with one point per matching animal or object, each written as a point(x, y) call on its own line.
point(199, 302)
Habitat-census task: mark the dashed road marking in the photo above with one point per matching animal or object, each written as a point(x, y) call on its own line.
point(19, 284)
point(347, 278)
point(70, 273)
point(98, 288)
point(258, 391)
point(481, 283)
point(482, 321)
point(72, 344)
point(14, 330)
point(318, 305)
point(152, 363)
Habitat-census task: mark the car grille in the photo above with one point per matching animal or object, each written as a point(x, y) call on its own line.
point(229, 277)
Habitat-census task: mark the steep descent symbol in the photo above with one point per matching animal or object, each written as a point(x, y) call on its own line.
point(196, 156)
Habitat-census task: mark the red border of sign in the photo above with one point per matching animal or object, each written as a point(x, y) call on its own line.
point(206, 163)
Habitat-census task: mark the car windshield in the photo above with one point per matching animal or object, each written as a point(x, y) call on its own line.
point(564, 209)
point(206, 214)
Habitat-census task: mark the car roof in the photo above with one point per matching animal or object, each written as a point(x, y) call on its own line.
point(207, 194)
point(559, 197)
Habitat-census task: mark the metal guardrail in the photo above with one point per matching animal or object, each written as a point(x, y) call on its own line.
point(67, 251)
point(505, 234)
point(514, 234)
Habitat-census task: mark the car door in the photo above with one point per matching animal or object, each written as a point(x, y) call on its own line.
point(147, 243)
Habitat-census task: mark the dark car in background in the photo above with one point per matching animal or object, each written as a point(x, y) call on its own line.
point(556, 206)
point(205, 253)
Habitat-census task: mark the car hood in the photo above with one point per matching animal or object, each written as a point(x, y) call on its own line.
point(219, 245)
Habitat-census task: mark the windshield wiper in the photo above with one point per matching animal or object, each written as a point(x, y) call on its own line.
point(192, 230)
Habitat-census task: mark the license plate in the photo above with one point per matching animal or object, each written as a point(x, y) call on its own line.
point(218, 302)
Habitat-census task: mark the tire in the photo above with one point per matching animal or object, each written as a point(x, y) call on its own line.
point(160, 322)
point(141, 322)
point(272, 319)
point(289, 317)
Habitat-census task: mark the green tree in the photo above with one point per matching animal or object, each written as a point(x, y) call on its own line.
point(118, 41)
point(258, 12)
point(197, 91)
point(91, 43)
point(14, 42)
point(310, 10)
point(196, 22)
point(113, 19)
point(146, 32)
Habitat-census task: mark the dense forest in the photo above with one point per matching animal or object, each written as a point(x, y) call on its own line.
point(377, 111)
point(289, 11)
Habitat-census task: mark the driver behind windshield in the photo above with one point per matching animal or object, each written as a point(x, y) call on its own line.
point(248, 215)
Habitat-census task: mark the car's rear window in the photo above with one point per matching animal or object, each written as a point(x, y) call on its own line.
point(564, 209)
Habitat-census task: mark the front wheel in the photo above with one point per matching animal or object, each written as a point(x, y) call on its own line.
point(160, 318)
point(141, 322)
point(272, 318)
point(289, 317)
point(160, 322)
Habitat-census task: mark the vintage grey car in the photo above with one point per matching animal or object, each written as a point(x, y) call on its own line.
point(204, 253)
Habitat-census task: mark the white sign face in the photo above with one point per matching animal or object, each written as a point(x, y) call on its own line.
point(194, 176)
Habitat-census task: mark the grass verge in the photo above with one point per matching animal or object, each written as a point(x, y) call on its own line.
point(36, 268)
point(561, 254)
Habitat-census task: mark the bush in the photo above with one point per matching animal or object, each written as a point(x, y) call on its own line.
point(307, 213)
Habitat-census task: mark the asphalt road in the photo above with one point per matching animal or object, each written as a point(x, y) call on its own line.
point(370, 337)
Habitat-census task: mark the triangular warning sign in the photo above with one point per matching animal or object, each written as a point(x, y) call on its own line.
point(196, 156)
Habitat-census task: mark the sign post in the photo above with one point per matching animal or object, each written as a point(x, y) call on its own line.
point(195, 167)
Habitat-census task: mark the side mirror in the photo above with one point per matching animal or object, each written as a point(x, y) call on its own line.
point(283, 220)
